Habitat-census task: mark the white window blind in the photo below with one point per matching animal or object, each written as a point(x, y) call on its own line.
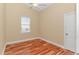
point(25, 24)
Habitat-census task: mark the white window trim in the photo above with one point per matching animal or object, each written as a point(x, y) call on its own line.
point(25, 32)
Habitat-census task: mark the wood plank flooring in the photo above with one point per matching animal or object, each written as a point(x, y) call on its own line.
point(35, 47)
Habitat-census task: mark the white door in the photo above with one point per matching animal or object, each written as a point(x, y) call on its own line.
point(70, 31)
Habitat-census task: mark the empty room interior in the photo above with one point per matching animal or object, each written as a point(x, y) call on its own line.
point(37, 28)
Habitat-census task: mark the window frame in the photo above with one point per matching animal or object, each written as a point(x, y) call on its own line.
point(25, 32)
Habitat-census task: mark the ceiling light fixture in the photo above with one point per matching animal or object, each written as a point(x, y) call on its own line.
point(35, 4)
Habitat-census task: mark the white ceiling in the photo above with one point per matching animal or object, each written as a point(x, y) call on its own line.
point(40, 7)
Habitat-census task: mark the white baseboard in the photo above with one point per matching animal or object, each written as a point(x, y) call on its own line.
point(3, 49)
point(33, 39)
point(21, 40)
point(51, 42)
point(45, 39)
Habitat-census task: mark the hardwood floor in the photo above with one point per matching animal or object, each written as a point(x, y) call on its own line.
point(35, 47)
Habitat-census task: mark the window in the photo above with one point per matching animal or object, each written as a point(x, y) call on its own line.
point(25, 24)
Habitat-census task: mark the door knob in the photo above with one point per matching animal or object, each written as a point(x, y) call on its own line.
point(66, 34)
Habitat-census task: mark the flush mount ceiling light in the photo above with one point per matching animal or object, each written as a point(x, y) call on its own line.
point(35, 4)
point(38, 6)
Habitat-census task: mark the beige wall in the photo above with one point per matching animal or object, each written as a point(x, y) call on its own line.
point(2, 34)
point(13, 14)
point(48, 23)
point(52, 22)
